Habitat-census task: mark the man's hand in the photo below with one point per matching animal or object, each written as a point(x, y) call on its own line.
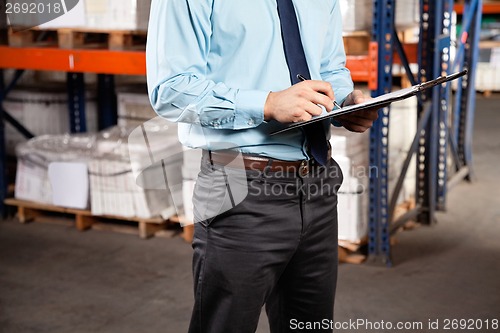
point(358, 121)
point(299, 102)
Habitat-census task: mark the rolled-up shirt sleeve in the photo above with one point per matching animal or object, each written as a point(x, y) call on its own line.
point(177, 49)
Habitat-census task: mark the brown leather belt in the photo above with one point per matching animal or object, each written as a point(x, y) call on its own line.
point(258, 163)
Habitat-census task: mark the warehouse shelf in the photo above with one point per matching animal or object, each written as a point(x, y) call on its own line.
point(436, 140)
point(74, 60)
point(134, 62)
point(374, 68)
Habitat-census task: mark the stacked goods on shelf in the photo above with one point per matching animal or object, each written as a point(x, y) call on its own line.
point(358, 14)
point(117, 14)
point(123, 174)
point(134, 109)
point(39, 13)
point(351, 151)
point(43, 111)
point(136, 172)
point(39, 177)
point(87, 14)
point(402, 130)
point(407, 14)
point(488, 67)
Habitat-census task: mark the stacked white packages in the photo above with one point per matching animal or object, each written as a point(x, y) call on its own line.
point(407, 14)
point(356, 14)
point(97, 15)
point(402, 130)
point(126, 172)
point(43, 111)
point(137, 172)
point(117, 14)
point(34, 160)
point(351, 151)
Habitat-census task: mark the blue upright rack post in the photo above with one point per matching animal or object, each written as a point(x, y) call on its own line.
point(434, 54)
point(107, 106)
point(379, 246)
point(76, 102)
point(442, 64)
point(465, 98)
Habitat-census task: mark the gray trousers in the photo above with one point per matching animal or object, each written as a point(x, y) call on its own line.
point(278, 248)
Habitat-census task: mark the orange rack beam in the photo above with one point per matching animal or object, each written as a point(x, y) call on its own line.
point(363, 68)
point(80, 61)
point(488, 8)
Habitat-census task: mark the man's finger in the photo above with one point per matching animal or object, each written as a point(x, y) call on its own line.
point(322, 100)
point(321, 87)
point(313, 109)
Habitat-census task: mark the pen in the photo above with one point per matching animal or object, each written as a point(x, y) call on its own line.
point(302, 78)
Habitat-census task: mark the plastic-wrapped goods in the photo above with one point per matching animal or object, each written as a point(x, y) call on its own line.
point(43, 111)
point(136, 172)
point(129, 172)
point(34, 160)
point(134, 107)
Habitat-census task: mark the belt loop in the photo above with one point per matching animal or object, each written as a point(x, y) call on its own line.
point(268, 166)
point(210, 158)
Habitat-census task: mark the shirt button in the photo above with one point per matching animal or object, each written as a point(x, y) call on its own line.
point(251, 122)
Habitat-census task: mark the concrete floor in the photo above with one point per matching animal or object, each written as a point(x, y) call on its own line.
point(55, 279)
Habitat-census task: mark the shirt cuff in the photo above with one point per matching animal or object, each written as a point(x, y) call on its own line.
point(249, 108)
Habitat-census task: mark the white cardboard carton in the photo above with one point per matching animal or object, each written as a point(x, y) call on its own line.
point(70, 184)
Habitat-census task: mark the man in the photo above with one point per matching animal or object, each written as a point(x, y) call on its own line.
point(226, 71)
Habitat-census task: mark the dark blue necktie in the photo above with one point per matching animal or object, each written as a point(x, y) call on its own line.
point(297, 64)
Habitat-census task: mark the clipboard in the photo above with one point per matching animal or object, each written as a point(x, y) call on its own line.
point(380, 101)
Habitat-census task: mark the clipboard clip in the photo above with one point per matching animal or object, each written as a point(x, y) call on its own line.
point(440, 80)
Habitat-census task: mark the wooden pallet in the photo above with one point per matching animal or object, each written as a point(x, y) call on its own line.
point(78, 39)
point(188, 229)
point(30, 211)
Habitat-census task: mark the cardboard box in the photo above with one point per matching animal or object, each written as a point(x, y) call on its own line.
point(70, 184)
point(352, 211)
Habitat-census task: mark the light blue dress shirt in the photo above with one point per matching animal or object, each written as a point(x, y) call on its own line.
point(212, 63)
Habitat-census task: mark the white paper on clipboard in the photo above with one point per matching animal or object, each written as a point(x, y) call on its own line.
point(380, 101)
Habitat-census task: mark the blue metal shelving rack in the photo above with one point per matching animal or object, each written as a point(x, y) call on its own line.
point(383, 27)
point(435, 140)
